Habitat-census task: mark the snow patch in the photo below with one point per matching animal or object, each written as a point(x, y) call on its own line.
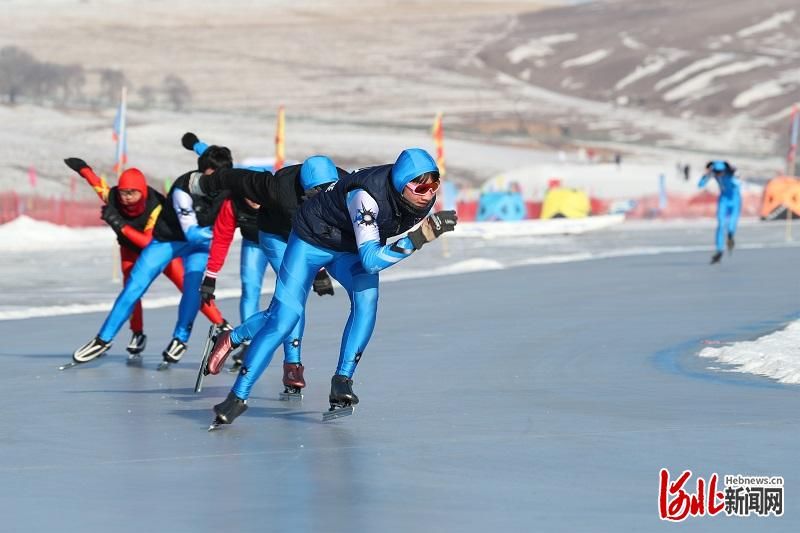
point(26, 234)
point(532, 227)
point(630, 42)
point(697, 66)
point(539, 47)
point(704, 80)
point(761, 91)
point(103, 307)
point(772, 23)
point(784, 83)
point(587, 59)
point(652, 65)
point(775, 356)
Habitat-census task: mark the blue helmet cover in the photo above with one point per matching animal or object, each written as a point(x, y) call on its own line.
point(410, 164)
point(719, 166)
point(317, 170)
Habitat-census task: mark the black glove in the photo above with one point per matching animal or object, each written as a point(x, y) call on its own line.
point(432, 227)
point(322, 283)
point(207, 288)
point(188, 140)
point(112, 217)
point(76, 164)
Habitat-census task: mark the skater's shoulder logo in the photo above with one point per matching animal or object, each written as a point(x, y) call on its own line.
point(742, 496)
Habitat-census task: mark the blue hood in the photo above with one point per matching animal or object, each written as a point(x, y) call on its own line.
point(410, 164)
point(317, 170)
point(719, 166)
point(200, 147)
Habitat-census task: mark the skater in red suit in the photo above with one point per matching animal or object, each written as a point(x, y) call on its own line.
point(131, 209)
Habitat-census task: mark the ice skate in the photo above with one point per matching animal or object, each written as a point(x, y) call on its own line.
point(342, 398)
point(238, 359)
point(730, 243)
point(293, 382)
point(213, 331)
point(134, 359)
point(172, 354)
point(223, 347)
point(91, 350)
point(227, 411)
point(716, 257)
point(137, 343)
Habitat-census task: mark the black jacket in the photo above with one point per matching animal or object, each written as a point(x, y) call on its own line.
point(154, 199)
point(279, 194)
point(205, 207)
point(324, 220)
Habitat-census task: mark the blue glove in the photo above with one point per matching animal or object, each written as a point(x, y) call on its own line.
point(199, 235)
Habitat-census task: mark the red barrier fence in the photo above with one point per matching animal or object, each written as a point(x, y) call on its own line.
point(55, 210)
point(701, 205)
point(87, 212)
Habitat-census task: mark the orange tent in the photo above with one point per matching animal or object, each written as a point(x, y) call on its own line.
point(780, 194)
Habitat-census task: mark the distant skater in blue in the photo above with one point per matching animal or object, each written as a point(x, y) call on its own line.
point(729, 204)
point(345, 230)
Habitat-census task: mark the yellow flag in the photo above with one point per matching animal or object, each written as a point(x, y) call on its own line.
point(438, 139)
point(280, 155)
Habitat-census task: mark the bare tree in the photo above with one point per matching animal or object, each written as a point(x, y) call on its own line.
point(147, 93)
point(111, 83)
point(16, 72)
point(73, 79)
point(177, 92)
point(44, 81)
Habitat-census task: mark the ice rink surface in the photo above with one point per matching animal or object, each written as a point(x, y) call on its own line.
point(535, 398)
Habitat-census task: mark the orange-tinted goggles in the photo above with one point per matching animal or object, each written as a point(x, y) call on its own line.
point(423, 188)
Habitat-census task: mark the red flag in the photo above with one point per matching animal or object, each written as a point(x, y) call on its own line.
point(793, 134)
point(438, 140)
point(279, 141)
point(32, 176)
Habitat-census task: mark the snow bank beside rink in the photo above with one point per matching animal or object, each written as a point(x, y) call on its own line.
point(24, 234)
point(775, 356)
point(534, 227)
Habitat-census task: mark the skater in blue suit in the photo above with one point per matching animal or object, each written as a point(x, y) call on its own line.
point(345, 230)
point(279, 195)
point(729, 205)
point(237, 211)
point(183, 229)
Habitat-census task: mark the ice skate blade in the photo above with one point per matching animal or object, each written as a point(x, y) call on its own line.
point(337, 412)
point(163, 365)
point(74, 363)
point(216, 424)
point(234, 369)
point(198, 384)
point(134, 360)
point(290, 396)
point(203, 372)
